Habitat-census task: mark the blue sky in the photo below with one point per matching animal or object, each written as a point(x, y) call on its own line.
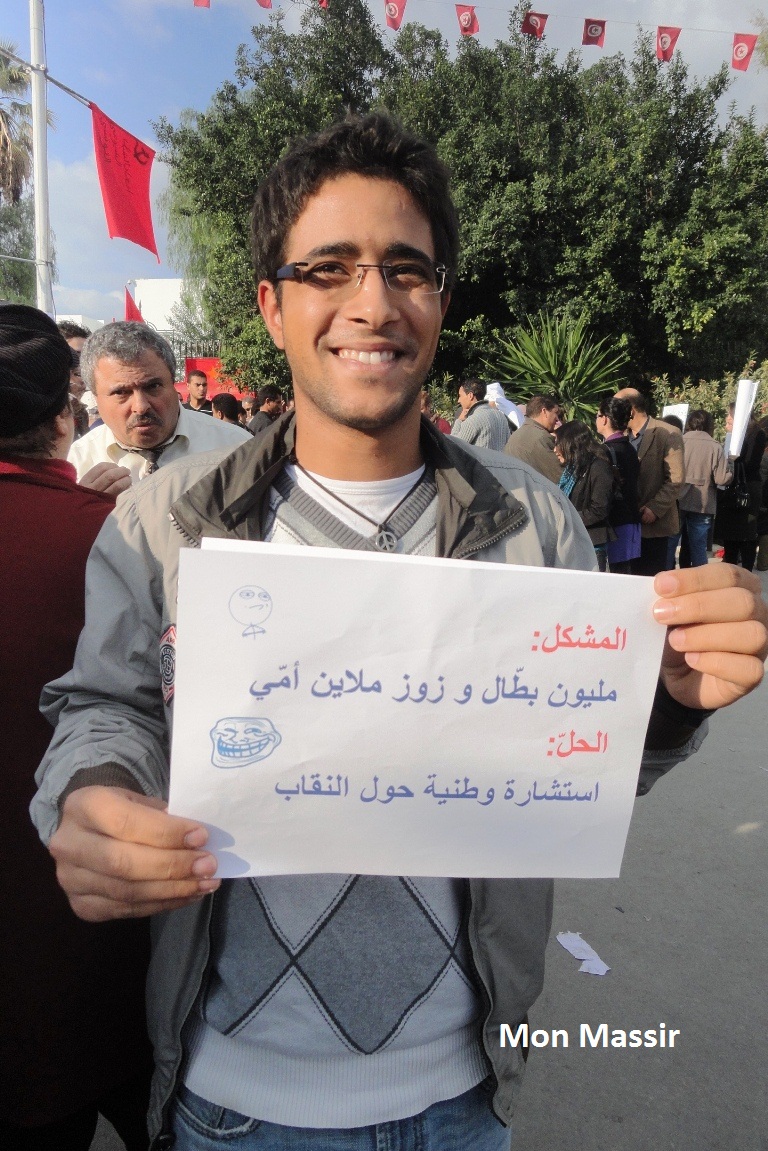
point(142, 59)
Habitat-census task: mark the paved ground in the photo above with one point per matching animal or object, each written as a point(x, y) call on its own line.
point(689, 948)
point(685, 933)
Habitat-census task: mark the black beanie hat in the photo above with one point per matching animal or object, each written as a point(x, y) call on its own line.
point(34, 369)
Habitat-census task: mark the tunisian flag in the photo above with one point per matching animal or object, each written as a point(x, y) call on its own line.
point(264, 3)
point(534, 24)
point(594, 32)
point(666, 38)
point(743, 47)
point(202, 3)
point(124, 165)
point(394, 13)
point(468, 22)
point(131, 310)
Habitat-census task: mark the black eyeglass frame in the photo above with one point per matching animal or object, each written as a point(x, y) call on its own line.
point(293, 271)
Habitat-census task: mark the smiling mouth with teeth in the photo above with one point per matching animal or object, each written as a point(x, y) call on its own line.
point(366, 357)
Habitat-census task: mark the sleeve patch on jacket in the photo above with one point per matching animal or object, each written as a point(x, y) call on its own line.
point(168, 662)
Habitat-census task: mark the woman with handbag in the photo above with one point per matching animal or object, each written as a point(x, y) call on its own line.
point(611, 421)
point(588, 481)
point(738, 505)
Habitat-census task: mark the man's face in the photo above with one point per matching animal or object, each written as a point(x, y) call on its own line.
point(549, 418)
point(198, 388)
point(466, 399)
point(361, 361)
point(138, 401)
point(76, 385)
point(272, 408)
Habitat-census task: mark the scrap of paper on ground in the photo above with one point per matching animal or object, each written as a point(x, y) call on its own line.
point(580, 949)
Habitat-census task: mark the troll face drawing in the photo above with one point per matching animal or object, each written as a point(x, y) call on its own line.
point(238, 742)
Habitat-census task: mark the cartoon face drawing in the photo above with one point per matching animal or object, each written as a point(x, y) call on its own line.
point(238, 742)
point(250, 605)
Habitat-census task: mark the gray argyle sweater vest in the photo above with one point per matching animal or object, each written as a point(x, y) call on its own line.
point(337, 1000)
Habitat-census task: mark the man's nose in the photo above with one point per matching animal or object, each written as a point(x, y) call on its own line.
point(139, 401)
point(374, 302)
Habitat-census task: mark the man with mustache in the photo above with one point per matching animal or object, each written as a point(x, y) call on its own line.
point(130, 369)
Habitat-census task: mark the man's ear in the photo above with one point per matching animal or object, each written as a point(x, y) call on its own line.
point(269, 306)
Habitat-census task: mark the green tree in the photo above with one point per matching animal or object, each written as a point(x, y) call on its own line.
point(15, 127)
point(761, 48)
point(285, 86)
point(17, 238)
point(711, 299)
point(556, 355)
point(611, 191)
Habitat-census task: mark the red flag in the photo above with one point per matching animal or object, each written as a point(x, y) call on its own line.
point(534, 24)
point(264, 3)
point(124, 165)
point(666, 38)
point(323, 3)
point(594, 32)
point(743, 47)
point(202, 3)
point(468, 22)
point(131, 309)
point(394, 12)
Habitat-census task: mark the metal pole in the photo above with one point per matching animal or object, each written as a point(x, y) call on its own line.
point(40, 156)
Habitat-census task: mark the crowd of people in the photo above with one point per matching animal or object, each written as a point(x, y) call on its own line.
point(651, 493)
point(355, 246)
point(668, 501)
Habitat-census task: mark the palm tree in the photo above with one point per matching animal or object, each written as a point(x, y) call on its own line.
point(15, 127)
point(556, 355)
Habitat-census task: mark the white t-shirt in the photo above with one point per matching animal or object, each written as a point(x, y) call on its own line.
point(374, 498)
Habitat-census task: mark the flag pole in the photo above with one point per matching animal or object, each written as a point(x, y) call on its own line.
point(40, 156)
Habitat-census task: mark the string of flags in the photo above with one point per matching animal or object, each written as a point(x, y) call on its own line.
point(534, 23)
point(124, 162)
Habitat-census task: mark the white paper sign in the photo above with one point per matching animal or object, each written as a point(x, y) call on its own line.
point(679, 410)
point(349, 712)
point(745, 401)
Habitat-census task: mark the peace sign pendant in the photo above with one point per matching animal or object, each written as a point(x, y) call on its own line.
point(385, 541)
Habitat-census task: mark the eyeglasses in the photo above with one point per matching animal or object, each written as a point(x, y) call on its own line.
point(340, 280)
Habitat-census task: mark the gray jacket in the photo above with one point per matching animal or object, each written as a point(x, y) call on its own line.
point(535, 446)
point(706, 468)
point(484, 426)
point(112, 726)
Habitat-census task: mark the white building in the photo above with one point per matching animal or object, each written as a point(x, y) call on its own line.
point(155, 298)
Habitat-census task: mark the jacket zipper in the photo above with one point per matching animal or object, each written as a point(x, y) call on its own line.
point(459, 554)
point(166, 1106)
point(193, 541)
point(484, 994)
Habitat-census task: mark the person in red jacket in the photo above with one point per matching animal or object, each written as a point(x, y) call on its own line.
point(72, 1035)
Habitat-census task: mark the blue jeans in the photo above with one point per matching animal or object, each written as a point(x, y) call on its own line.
point(695, 526)
point(462, 1124)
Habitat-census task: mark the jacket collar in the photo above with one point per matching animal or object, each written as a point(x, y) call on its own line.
point(233, 499)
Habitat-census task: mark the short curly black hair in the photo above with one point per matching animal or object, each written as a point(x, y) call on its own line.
point(374, 145)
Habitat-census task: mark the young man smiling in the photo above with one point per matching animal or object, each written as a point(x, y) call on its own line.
point(333, 1011)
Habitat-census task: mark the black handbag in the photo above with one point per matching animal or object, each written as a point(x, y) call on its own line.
point(736, 495)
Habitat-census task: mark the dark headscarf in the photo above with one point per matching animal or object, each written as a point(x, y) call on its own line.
point(35, 360)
